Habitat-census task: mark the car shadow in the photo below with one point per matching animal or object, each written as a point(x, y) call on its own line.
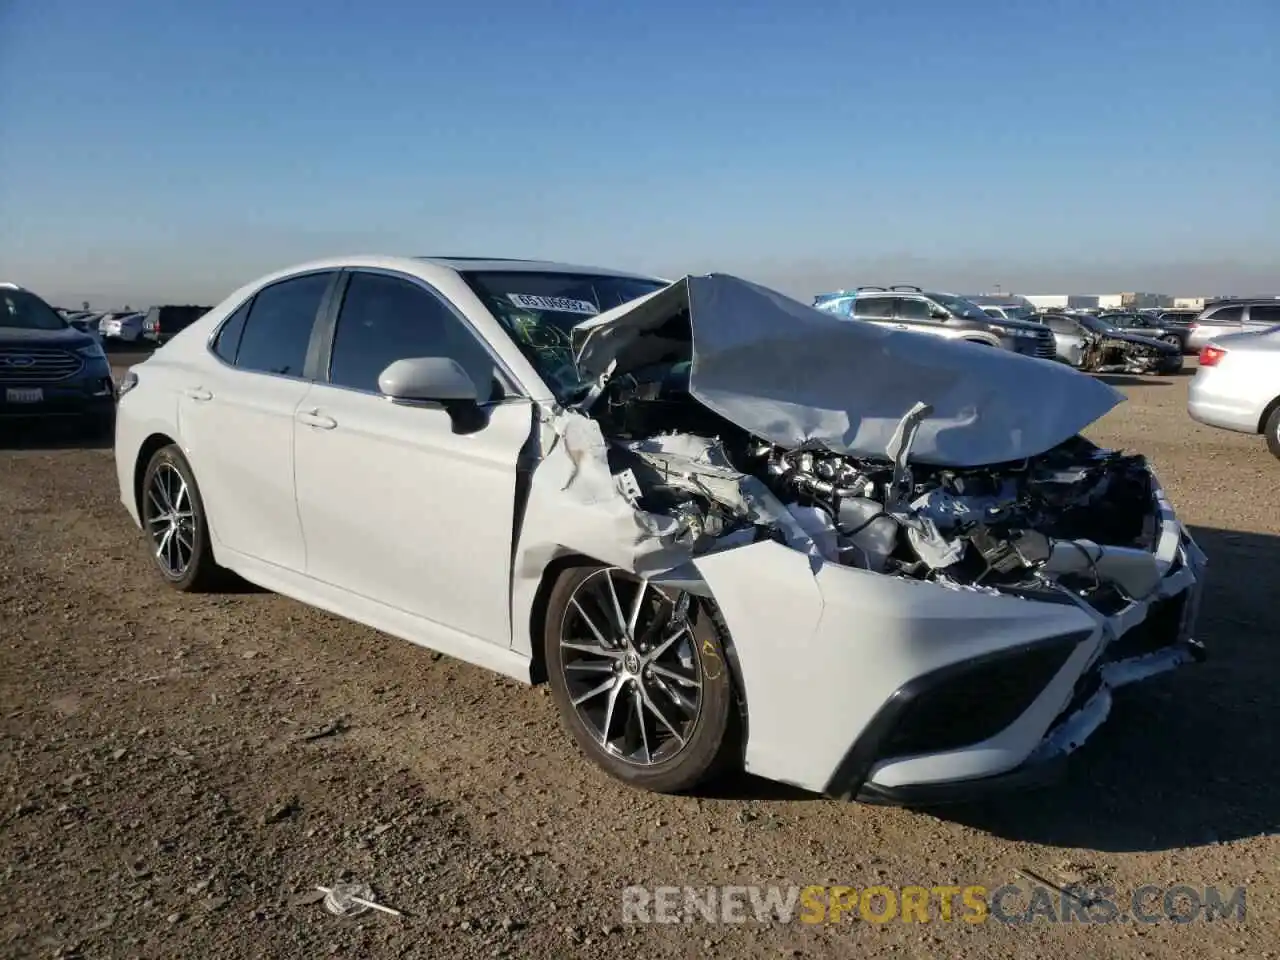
point(1127, 380)
point(1184, 760)
point(52, 436)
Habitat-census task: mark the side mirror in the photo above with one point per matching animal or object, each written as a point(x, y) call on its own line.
point(427, 379)
point(937, 314)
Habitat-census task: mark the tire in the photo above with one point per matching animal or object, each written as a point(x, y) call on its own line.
point(1272, 430)
point(1173, 340)
point(643, 753)
point(200, 573)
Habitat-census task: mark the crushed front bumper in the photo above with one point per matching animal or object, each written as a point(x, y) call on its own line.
point(894, 690)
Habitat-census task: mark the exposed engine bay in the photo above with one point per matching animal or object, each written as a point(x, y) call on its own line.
point(1104, 354)
point(1014, 527)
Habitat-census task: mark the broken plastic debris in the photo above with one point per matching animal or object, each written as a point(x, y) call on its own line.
point(351, 900)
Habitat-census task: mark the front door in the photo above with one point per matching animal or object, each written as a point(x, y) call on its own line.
point(410, 506)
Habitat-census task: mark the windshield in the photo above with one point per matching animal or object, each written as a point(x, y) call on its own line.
point(1095, 324)
point(26, 311)
point(959, 306)
point(538, 311)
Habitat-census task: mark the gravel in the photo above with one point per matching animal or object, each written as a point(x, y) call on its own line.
point(179, 773)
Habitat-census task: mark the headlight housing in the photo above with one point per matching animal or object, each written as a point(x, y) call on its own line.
point(1014, 331)
point(92, 351)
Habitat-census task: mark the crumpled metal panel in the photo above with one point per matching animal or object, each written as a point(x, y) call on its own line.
point(792, 375)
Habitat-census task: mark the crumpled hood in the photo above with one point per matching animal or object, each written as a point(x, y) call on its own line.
point(791, 375)
point(1146, 341)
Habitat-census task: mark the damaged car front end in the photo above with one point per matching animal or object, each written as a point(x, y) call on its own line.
point(926, 585)
point(1111, 349)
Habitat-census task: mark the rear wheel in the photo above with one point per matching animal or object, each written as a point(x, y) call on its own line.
point(1172, 339)
point(173, 518)
point(639, 675)
point(1272, 430)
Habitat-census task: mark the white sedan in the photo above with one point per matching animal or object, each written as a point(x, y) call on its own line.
point(1237, 385)
point(726, 529)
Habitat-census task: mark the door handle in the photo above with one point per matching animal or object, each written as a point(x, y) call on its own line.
point(198, 393)
point(314, 418)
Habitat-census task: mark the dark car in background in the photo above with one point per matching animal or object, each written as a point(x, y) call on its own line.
point(1097, 346)
point(1150, 325)
point(163, 322)
point(49, 367)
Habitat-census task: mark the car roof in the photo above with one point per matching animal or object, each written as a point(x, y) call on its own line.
point(425, 265)
point(520, 265)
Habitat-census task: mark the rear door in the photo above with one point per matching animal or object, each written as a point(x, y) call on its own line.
point(877, 310)
point(236, 417)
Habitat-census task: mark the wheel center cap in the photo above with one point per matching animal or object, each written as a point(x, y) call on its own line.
point(631, 663)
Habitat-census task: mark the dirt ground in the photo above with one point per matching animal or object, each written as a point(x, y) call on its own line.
point(179, 772)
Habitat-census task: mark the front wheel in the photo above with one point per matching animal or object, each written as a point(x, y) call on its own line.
point(1272, 430)
point(640, 678)
point(173, 518)
point(1173, 340)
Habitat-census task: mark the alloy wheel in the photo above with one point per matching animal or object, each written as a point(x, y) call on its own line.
point(631, 666)
point(170, 520)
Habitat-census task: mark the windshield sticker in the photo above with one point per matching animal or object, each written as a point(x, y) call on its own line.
point(559, 304)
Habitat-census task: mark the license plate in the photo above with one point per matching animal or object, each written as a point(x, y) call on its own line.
point(24, 395)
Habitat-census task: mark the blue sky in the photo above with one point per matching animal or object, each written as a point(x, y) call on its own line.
point(154, 150)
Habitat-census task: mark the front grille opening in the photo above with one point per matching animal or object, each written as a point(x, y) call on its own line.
point(1157, 632)
point(37, 364)
point(974, 701)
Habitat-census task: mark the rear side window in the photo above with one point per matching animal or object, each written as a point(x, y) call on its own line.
point(277, 330)
point(1265, 313)
point(228, 342)
point(873, 308)
point(911, 309)
point(1227, 315)
point(384, 319)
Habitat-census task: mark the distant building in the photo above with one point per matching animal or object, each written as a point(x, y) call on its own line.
point(1062, 301)
point(1133, 301)
point(1189, 303)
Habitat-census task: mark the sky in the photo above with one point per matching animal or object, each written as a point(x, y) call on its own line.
point(159, 151)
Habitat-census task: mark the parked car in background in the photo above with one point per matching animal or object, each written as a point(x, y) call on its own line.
point(1182, 318)
point(937, 314)
point(1004, 309)
point(1095, 346)
point(1149, 325)
point(51, 368)
point(1069, 337)
point(1237, 386)
point(164, 322)
point(126, 326)
point(1237, 316)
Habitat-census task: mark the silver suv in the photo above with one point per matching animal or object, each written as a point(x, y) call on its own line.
point(1237, 316)
point(939, 314)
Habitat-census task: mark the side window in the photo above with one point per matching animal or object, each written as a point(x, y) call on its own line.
point(277, 330)
point(1227, 315)
point(910, 308)
point(228, 343)
point(1265, 313)
point(384, 319)
point(873, 308)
